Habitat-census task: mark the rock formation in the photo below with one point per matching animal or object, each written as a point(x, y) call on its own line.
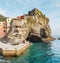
point(39, 27)
point(33, 26)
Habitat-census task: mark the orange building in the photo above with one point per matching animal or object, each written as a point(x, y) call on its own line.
point(3, 29)
point(19, 17)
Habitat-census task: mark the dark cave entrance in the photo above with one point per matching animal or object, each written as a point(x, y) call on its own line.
point(43, 33)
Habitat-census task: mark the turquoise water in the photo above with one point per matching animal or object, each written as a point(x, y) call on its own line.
point(37, 53)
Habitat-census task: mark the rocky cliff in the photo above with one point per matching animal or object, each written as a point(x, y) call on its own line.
point(33, 26)
point(39, 27)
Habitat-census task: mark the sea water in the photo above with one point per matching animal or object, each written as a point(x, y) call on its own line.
point(37, 53)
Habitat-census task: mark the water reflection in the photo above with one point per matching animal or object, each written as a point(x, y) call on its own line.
point(41, 53)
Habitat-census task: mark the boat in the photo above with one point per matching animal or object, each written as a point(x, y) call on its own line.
point(7, 49)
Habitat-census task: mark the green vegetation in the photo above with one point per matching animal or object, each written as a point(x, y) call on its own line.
point(2, 18)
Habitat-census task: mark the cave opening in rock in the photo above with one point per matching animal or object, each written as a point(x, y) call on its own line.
point(34, 38)
point(43, 33)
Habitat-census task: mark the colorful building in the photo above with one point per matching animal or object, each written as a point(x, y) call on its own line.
point(3, 28)
point(8, 20)
point(19, 17)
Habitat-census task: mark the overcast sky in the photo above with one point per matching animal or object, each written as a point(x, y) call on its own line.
point(51, 8)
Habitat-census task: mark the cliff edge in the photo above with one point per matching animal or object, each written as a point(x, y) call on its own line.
point(33, 26)
point(39, 27)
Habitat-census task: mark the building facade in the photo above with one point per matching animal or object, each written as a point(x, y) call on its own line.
point(3, 28)
point(8, 20)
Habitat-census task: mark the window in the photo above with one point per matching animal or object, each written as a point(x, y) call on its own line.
point(4, 30)
point(4, 27)
point(16, 26)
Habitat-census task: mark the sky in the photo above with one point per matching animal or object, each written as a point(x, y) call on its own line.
point(51, 8)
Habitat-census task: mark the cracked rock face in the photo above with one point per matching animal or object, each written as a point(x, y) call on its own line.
point(39, 27)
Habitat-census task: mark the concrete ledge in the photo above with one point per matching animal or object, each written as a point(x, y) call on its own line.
point(16, 52)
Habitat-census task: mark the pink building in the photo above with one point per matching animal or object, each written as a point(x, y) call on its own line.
point(3, 29)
